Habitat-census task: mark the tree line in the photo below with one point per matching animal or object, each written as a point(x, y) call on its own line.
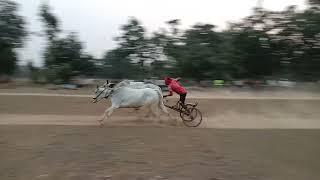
point(265, 45)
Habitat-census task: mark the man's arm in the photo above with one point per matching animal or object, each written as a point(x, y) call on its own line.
point(177, 79)
point(170, 94)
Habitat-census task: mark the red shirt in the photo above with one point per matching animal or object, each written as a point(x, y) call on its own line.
point(176, 87)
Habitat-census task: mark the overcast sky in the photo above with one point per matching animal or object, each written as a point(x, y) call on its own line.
point(98, 21)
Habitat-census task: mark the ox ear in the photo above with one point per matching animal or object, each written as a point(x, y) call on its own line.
point(112, 85)
point(106, 83)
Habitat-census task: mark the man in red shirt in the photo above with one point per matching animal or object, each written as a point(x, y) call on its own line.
point(174, 86)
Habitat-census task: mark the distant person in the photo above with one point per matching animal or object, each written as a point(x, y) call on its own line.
point(174, 86)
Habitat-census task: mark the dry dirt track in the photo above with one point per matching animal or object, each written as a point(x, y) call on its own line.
point(84, 153)
point(147, 151)
point(217, 113)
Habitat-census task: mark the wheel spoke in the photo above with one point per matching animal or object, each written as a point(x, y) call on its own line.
point(190, 115)
point(196, 119)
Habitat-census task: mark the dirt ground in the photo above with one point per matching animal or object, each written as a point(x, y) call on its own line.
point(217, 113)
point(82, 153)
point(57, 137)
point(196, 92)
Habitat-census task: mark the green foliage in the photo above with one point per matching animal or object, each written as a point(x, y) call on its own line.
point(282, 44)
point(294, 42)
point(116, 64)
point(65, 54)
point(50, 20)
point(132, 41)
point(63, 57)
point(314, 2)
point(33, 72)
point(264, 44)
point(12, 32)
point(201, 51)
point(37, 75)
point(306, 62)
point(253, 53)
point(134, 50)
point(63, 50)
point(58, 74)
point(7, 60)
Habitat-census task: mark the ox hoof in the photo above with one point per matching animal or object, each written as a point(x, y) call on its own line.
point(146, 116)
point(101, 124)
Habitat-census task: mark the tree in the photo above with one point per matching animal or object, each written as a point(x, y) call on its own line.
point(117, 64)
point(67, 53)
point(34, 72)
point(133, 41)
point(59, 73)
point(196, 52)
point(307, 61)
point(85, 65)
point(295, 42)
point(314, 2)
point(63, 57)
point(50, 20)
point(253, 53)
point(254, 48)
point(283, 44)
point(135, 49)
point(8, 60)
point(201, 51)
point(63, 50)
point(12, 32)
point(174, 23)
point(171, 44)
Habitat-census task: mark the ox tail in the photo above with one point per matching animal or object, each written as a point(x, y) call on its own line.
point(161, 105)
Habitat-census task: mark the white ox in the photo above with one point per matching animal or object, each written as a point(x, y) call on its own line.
point(138, 85)
point(131, 95)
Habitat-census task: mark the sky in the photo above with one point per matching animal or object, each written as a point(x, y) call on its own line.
point(98, 21)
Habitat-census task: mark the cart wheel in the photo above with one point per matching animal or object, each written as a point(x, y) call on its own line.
point(194, 119)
